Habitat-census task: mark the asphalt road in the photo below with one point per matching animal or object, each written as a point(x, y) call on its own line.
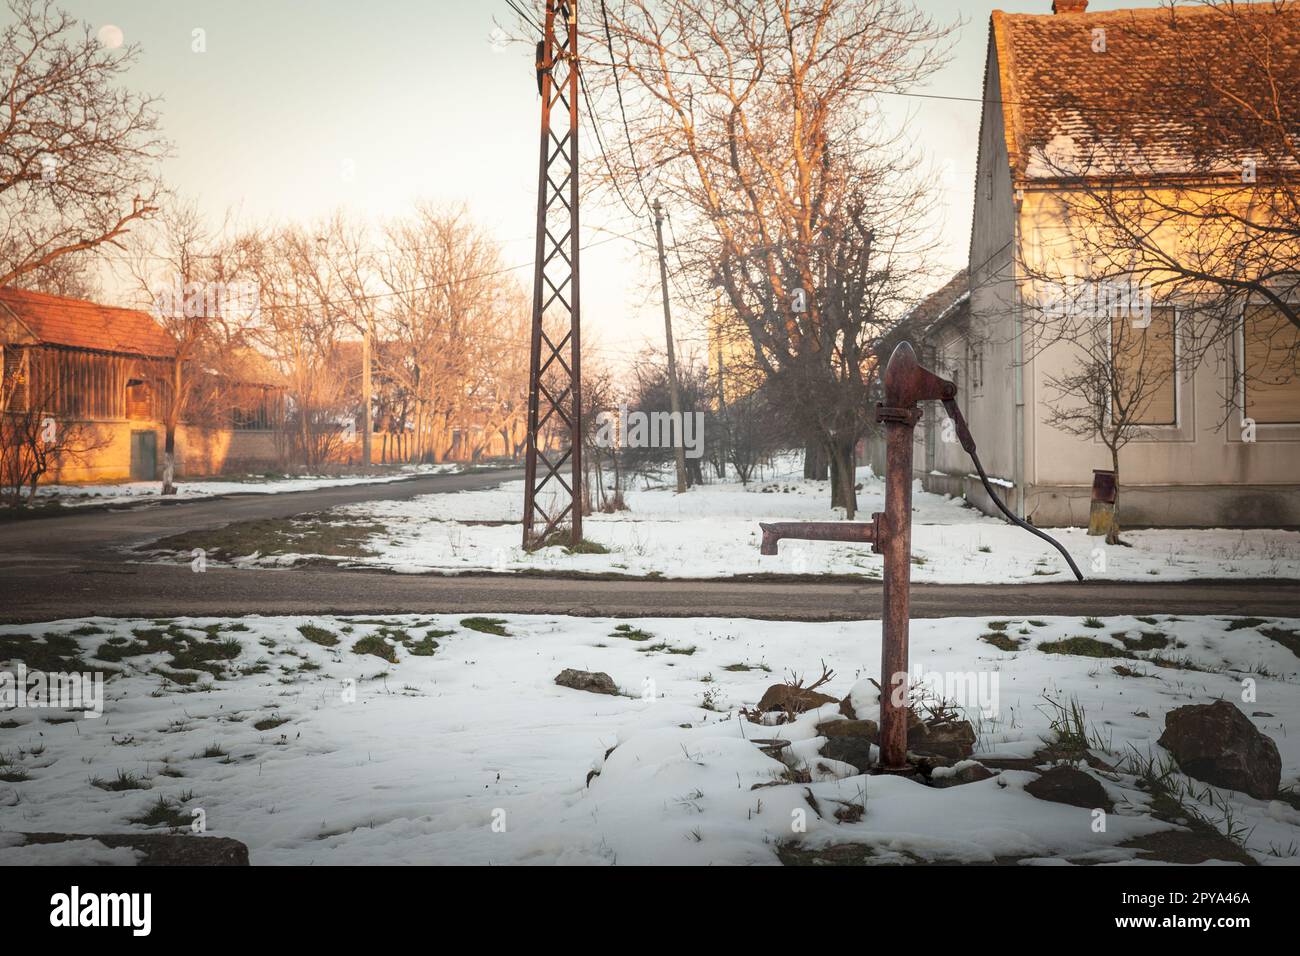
point(71, 566)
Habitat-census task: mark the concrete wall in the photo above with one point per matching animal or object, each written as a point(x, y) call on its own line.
point(200, 452)
point(990, 410)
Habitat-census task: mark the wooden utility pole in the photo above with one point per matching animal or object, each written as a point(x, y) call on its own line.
point(367, 419)
point(678, 449)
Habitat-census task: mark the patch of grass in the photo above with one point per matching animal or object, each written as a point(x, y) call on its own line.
point(1093, 622)
point(1288, 639)
point(427, 645)
point(1181, 663)
point(125, 780)
point(187, 650)
point(748, 667)
point(1147, 620)
point(211, 751)
point(375, 646)
point(53, 652)
point(486, 625)
point(163, 813)
point(1148, 641)
point(985, 549)
point(1083, 647)
point(998, 625)
point(1123, 671)
point(1071, 738)
point(587, 547)
point(184, 678)
point(201, 655)
point(87, 630)
point(318, 635)
point(300, 534)
point(270, 723)
point(1000, 641)
point(667, 648)
point(1238, 623)
point(1036, 623)
point(631, 633)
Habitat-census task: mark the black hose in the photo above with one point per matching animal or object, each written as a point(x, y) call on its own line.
point(968, 443)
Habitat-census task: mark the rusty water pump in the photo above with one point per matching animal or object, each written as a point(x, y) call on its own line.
point(890, 532)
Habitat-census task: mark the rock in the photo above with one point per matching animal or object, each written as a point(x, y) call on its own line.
point(594, 682)
point(862, 700)
point(1217, 743)
point(968, 771)
point(954, 740)
point(792, 700)
point(1069, 785)
point(849, 728)
point(851, 750)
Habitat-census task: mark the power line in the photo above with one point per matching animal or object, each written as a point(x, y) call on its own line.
point(618, 88)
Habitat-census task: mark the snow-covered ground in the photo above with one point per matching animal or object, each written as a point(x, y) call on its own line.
point(134, 492)
point(474, 755)
point(712, 531)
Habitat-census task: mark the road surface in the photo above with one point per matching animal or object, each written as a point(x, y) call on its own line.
point(70, 566)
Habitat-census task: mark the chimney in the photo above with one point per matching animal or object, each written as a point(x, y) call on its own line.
point(1069, 6)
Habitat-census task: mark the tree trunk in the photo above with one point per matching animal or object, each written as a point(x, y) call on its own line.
point(814, 461)
point(169, 459)
point(1112, 536)
point(843, 475)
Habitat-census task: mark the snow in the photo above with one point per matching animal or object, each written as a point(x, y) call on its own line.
point(712, 531)
point(68, 853)
point(474, 755)
point(134, 492)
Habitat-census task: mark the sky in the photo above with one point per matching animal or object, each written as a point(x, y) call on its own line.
point(296, 109)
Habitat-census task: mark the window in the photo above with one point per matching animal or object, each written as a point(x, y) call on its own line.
point(1146, 390)
point(1271, 356)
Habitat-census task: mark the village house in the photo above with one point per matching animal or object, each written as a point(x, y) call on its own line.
point(106, 371)
point(1216, 446)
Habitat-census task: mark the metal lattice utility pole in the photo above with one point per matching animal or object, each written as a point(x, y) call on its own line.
point(673, 392)
point(554, 382)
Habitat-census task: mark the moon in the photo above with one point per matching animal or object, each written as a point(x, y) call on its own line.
point(111, 36)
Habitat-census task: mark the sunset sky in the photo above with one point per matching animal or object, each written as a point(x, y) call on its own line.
point(297, 109)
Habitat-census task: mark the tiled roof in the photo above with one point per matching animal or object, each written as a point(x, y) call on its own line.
point(72, 323)
point(943, 303)
point(1142, 104)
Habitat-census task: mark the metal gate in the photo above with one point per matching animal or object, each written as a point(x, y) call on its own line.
point(144, 456)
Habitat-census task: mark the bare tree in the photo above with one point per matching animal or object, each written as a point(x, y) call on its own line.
point(201, 291)
point(1119, 381)
point(442, 274)
point(302, 323)
point(33, 442)
point(77, 151)
point(757, 120)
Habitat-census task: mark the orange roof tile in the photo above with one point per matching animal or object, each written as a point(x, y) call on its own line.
point(1139, 105)
point(73, 323)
